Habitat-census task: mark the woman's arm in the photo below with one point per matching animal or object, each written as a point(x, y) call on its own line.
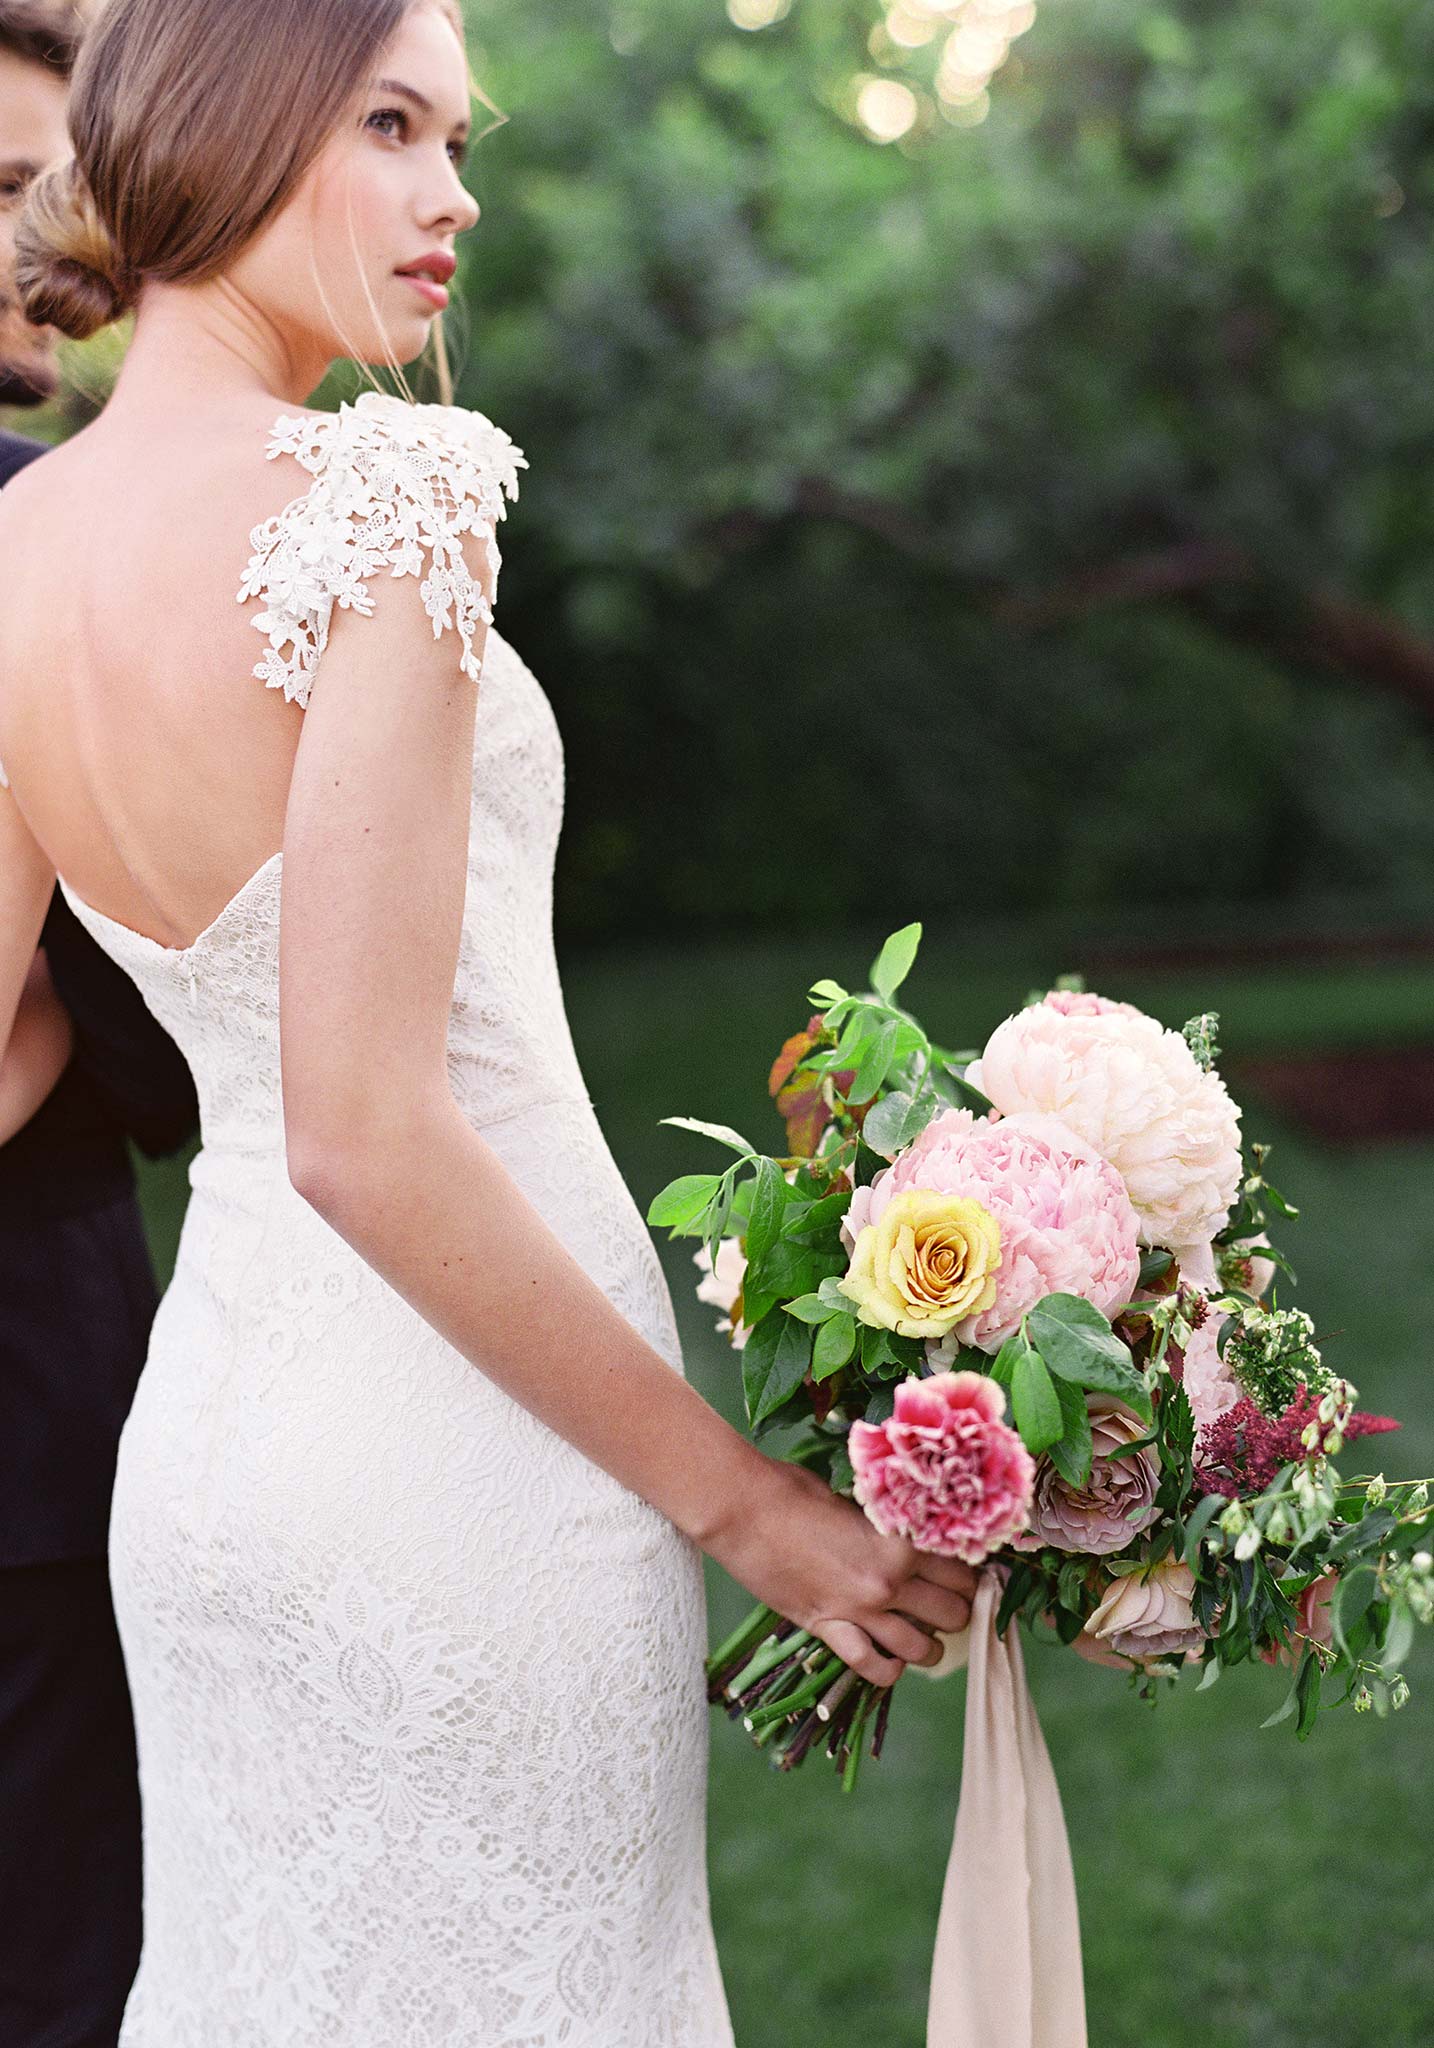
point(374, 879)
point(37, 1053)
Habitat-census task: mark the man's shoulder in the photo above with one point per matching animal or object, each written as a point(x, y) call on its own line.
point(15, 451)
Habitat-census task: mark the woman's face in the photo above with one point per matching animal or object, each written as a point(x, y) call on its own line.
point(356, 262)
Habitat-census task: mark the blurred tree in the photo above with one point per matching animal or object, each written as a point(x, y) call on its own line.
point(1057, 445)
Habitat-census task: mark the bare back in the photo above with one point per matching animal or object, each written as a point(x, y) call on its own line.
point(149, 762)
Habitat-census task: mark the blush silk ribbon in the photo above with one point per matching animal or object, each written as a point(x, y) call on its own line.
point(1007, 1967)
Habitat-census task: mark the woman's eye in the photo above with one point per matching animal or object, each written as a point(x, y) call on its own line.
point(459, 152)
point(389, 114)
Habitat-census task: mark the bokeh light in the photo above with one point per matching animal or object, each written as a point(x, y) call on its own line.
point(756, 13)
point(886, 108)
point(973, 39)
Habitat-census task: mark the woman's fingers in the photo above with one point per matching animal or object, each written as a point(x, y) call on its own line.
point(947, 1571)
point(935, 1604)
point(904, 1639)
point(856, 1648)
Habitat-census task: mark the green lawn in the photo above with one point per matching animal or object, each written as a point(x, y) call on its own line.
point(1237, 1887)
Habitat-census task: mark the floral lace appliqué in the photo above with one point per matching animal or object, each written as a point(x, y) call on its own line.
point(396, 487)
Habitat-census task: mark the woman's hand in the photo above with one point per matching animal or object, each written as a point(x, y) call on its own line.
point(816, 1558)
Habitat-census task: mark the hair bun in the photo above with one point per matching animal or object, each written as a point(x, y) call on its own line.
point(67, 270)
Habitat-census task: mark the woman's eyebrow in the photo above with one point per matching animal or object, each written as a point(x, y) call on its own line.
point(411, 92)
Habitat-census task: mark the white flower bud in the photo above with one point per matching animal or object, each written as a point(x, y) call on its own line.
point(1363, 1700)
point(1327, 1407)
point(1375, 1491)
point(1233, 1518)
point(1422, 1561)
point(1399, 1697)
point(1310, 1435)
point(1333, 1444)
point(1419, 1498)
point(1248, 1542)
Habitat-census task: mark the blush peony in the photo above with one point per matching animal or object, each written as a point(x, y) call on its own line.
point(1065, 1220)
point(1134, 1091)
point(945, 1471)
point(1210, 1386)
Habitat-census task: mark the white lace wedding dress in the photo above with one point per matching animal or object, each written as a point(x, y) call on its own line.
point(418, 1687)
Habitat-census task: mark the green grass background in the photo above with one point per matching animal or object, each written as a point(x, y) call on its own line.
point(1237, 1887)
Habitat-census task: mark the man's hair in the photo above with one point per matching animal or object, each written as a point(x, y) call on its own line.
point(44, 32)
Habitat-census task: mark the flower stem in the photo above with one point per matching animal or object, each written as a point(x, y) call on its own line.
point(743, 1639)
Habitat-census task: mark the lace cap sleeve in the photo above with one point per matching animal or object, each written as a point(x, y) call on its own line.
point(396, 487)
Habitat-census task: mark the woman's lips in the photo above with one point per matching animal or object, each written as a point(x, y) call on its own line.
point(436, 294)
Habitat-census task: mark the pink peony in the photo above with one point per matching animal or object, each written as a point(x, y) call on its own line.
point(1116, 1502)
point(1137, 1094)
point(1210, 1386)
point(1066, 1223)
point(945, 1472)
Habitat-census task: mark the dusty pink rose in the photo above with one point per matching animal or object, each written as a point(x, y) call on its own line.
point(1312, 1618)
point(1117, 1501)
point(1137, 1094)
point(1066, 1223)
point(945, 1471)
point(1210, 1385)
point(723, 1283)
point(1144, 1617)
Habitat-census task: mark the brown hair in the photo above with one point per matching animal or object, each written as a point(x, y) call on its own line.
point(43, 32)
point(192, 123)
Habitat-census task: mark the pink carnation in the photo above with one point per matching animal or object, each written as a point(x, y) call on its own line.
point(945, 1471)
point(1066, 1222)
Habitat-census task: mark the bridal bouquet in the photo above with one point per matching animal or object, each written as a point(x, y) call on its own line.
point(1023, 1307)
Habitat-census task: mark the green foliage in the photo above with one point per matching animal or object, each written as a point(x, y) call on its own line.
point(807, 417)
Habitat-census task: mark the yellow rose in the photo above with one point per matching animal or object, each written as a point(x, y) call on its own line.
point(928, 1262)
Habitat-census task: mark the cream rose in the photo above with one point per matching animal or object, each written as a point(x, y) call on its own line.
point(1145, 1617)
point(928, 1262)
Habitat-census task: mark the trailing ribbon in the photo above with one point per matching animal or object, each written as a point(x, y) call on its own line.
point(1007, 1967)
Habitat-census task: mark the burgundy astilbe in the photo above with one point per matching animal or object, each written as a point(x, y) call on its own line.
point(1241, 1451)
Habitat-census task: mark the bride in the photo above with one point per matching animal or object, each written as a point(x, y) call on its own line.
point(407, 1530)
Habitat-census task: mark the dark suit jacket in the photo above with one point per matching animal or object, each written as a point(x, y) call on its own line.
point(78, 1293)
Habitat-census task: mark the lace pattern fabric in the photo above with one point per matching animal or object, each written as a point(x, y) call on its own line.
point(422, 1723)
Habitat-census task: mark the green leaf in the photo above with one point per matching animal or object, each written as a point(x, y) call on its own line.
point(1197, 1522)
point(769, 1201)
point(723, 1133)
point(811, 1308)
point(874, 1065)
point(898, 1118)
point(1003, 1365)
point(1077, 1343)
point(1209, 1675)
point(1307, 1694)
point(683, 1201)
point(819, 1217)
point(1152, 1265)
point(893, 963)
point(1291, 1699)
point(1035, 1403)
point(1363, 1535)
point(826, 991)
point(836, 1341)
point(1074, 1453)
point(774, 1364)
point(1353, 1596)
